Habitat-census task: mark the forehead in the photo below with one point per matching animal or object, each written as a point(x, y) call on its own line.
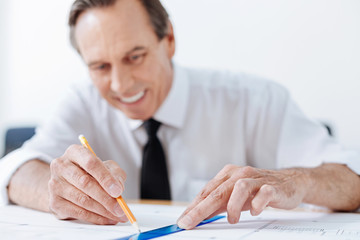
point(117, 28)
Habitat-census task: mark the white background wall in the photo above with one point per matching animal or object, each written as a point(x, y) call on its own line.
point(310, 46)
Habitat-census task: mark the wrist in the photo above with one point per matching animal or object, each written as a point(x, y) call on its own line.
point(303, 182)
point(28, 185)
point(309, 185)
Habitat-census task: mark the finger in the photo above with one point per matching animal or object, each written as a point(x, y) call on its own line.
point(214, 201)
point(263, 197)
point(64, 209)
point(242, 191)
point(116, 171)
point(89, 186)
point(220, 178)
point(217, 212)
point(223, 209)
point(95, 167)
point(74, 195)
point(210, 186)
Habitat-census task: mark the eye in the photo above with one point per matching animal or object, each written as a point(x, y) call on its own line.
point(100, 67)
point(135, 58)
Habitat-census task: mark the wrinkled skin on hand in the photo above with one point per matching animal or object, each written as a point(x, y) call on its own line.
point(84, 187)
point(235, 189)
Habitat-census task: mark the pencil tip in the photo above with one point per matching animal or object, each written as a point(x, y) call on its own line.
point(135, 224)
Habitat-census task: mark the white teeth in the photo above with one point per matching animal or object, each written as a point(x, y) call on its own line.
point(133, 98)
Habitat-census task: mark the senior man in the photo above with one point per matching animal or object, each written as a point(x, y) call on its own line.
point(238, 141)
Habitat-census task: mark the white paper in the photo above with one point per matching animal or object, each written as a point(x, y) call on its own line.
point(20, 223)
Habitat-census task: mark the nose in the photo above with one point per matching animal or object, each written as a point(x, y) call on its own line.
point(121, 80)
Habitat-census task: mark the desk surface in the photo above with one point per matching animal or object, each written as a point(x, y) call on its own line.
point(20, 223)
point(157, 202)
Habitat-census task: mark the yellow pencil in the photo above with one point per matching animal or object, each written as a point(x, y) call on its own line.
point(120, 200)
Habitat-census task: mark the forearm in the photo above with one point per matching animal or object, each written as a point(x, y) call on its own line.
point(334, 186)
point(28, 186)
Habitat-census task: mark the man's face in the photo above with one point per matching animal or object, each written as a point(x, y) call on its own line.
point(127, 63)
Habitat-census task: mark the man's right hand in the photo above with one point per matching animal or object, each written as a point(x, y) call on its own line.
point(83, 187)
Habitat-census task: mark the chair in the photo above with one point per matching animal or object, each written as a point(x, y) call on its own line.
point(15, 137)
point(329, 128)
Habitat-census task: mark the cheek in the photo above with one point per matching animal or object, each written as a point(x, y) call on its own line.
point(146, 73)
point(101, 84)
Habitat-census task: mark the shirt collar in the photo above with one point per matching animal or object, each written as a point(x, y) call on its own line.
point(173, 110)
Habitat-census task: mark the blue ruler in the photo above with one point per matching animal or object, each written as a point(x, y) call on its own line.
point(164, 231)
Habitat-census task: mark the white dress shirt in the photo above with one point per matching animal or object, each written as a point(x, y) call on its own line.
point(209, 119)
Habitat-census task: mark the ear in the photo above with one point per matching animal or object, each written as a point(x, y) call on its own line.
point(170, 38)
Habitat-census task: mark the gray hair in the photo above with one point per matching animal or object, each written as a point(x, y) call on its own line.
point(157, 15)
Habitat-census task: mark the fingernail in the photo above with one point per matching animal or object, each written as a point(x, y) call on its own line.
point(118, 211)
point(123, 219)
point(185, 222)
point(234, 220)
point(115, 190)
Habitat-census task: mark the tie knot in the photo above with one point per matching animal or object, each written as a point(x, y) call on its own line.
point(151, 127)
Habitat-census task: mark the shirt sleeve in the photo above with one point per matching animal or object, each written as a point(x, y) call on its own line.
point(282, 136)
point(53, 137)
point(304, 142)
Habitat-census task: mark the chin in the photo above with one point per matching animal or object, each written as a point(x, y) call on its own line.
point(138, 116)
point(134, 112)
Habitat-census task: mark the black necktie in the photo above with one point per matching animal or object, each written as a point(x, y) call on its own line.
point(154, 176)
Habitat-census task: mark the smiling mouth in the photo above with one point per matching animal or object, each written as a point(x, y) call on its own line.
point(134, 98)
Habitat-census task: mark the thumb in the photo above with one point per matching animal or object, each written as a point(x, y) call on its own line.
point(117, 172)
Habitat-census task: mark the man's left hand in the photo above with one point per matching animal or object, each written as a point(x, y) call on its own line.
point(235, 189)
